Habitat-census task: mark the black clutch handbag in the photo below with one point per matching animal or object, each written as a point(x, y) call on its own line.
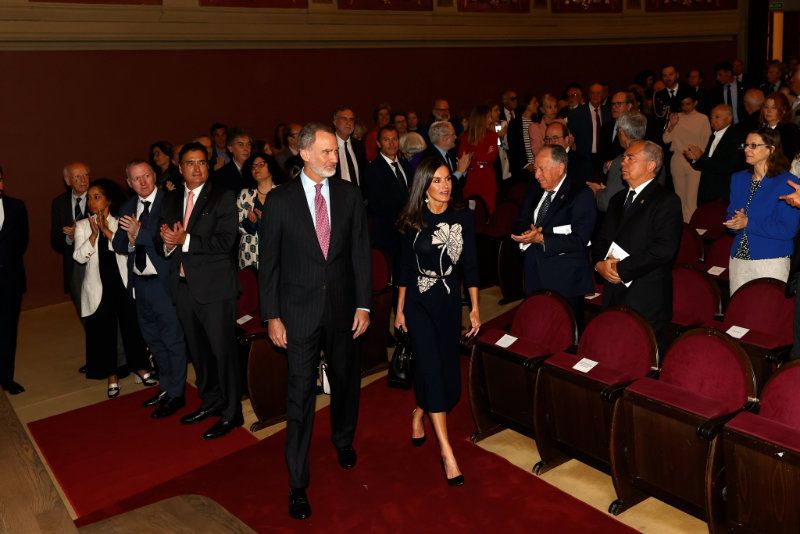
point(401, 368)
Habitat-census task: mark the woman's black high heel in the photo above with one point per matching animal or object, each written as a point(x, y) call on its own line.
point(146, 379)
point(418, 442)
point(455, 481)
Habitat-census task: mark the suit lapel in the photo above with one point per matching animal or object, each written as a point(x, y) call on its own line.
point(639, 202)
point(556, 203)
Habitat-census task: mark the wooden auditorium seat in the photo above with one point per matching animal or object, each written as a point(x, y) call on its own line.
point(754, 482)
point(761, 307)
point(707, 220)
point(489, 237)
point(717, 262)
point(502, 380)
point(267, 368)
point(572, 412)
point(518, 192)
point(373, 347)
point(510, 276)
point(695, 298)
point(663, 430)
point(691, 247)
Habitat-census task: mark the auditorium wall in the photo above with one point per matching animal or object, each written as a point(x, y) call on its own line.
point(103, 97)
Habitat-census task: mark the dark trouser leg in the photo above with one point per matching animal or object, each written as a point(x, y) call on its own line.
point(135, 348)
point(344, 373)
point(11, 301)
point(303, 357)
point(199, 348)
point(101, 340)
point(218, 320)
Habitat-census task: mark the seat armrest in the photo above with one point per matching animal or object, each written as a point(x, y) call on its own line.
point(654, 373)
point(753, 405)
point(710, 428)
point(614, 391)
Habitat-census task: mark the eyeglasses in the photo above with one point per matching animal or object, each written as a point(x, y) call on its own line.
point(260, 165)
point(618, 103)
point(752, 146)
point(548, 139)
point(195, 163)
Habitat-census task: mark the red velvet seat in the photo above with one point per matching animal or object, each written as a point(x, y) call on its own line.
point(691, 247)
point(754, 483)
point(760, 306)
point(502, 380)
point(664, 430)
point(707, 220)
point(573, 408)
point(718, 256)
point(594, 300)
point(374, 356)
point(267, 370)
point(501, 222)
point(695, 297)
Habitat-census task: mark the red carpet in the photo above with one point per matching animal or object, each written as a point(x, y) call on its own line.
point(112, 450)
point(394, 487)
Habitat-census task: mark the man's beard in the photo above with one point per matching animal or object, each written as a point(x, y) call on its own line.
point(321, 171)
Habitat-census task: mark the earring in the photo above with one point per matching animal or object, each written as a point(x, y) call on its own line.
point(426, 200)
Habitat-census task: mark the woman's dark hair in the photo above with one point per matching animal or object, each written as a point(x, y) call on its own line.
point(166, 149)
point(410, 219)
point(782, 103)
point(272, 166)
point(112, 191)
point(776, 162)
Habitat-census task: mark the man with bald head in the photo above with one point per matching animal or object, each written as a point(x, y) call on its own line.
point(579, 165)
point(720, 158)
point(586, 122)
point(67, 208)
point(753, 100)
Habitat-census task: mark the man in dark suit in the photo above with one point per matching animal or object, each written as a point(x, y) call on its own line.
point(644, 224)
point(585, 123)
point(579, 166)
point(352, 158)
point(668, 98)
point(315, 281)
point(13, 243)
point(67, 208)
point(729, 91)
point(694, 82)
point(388, 180)
point(230, 175)
point(720, 158)
point(774, 78)
point(621, 103)
point(553, 228)
point(443, 146)
point(198, 230)
point(149, 279)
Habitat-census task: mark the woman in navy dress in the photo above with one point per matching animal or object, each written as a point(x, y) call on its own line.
point(438, 254)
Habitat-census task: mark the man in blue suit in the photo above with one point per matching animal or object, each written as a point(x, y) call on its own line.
point(148, 275)
point(553, 229)
point(586, 121)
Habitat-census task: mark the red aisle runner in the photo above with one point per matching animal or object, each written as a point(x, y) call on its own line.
point(106, 452)
point(394, 487)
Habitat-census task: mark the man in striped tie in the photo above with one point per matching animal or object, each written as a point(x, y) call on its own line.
point(315, 286)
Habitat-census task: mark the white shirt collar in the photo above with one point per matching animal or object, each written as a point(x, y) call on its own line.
point(309, 184)
point(720, 133)
point(639, 189)
point(558, 186)
point(149, 198)
point(389, 161)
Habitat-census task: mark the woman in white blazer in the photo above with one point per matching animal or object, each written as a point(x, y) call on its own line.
point(105, 301)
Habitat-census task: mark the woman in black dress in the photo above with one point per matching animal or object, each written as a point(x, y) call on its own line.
point(438, 254)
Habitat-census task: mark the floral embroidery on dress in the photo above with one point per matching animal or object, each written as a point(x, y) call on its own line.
point(449, 239)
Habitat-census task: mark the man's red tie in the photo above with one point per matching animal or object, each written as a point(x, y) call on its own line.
point(323, 224)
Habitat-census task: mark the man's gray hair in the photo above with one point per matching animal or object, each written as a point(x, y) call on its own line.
point(308, 134)
point(653, 152)
point(438, 130)
point(558, 154)
point(634, 124)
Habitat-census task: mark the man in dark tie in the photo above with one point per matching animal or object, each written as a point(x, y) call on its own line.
point(149, 279)
point(388, 179)
point(553, 229)
point(13, 243)
point(198, 229)
point(352, 159)
point(315, 282)
point(728, 91)
point(639, 240)
point(586, 121)
point(720, 158)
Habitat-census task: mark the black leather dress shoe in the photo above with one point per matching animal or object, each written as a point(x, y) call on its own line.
point(221, 427)
point(168, 407)
point(198, 415)
point(347, 457)
point(157, 399)
point(299, 508)
point(13, 388)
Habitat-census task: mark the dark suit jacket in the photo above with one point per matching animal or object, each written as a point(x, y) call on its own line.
point(579, 165)
point(650, 231)
point(609, 148)
point(716, 170)
point(214, 229)
point(517, 156)
point(146, 238)
point(13, 243)
point(386, 197)
point(562, 263)
point(718, 97)
point(360, 161)
point(296, 283)
point(229, 177)
point(580, 124)
point(61, 215)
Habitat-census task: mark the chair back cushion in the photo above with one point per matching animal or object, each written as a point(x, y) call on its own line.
point(709, 364)
point(780, 400)
point(695, 297)
point(710, 216)
point(381, 273)
point(691, 247)
point(547, 320)
point(620, 339)
point(501, 223)
point(719, 253)
point(518, 192)
point(760, 305)
point(247, 304)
